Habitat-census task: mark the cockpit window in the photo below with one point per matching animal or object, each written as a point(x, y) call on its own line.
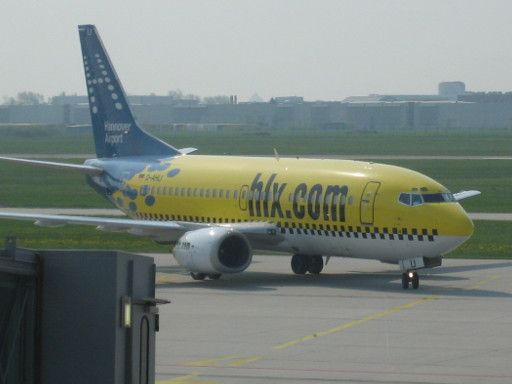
point(405, 198)
point(438, 197)
point(414, 199)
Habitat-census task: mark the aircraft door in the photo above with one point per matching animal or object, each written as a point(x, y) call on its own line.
point(243, 197)
point(367, 206)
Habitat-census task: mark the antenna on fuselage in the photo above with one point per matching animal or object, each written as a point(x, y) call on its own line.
point(276, 154)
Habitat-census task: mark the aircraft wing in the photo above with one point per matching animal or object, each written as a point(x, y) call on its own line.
point(465, 194)
point(156, 230)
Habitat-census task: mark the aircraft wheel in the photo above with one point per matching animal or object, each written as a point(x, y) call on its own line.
point(415, 279)
point(405, 281)
point(316, 264)
point(214, 276)
point(299, 264)
point(198, 275)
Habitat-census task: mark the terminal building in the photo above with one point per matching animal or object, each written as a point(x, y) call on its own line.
point(452, 108)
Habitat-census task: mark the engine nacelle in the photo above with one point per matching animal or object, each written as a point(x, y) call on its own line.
point(213, 250)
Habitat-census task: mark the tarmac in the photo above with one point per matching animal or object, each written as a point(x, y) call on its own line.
point(351, 324)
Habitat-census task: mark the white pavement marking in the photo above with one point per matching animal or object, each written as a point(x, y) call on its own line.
point(313, 156)
point(491, 216)
point(66, 211)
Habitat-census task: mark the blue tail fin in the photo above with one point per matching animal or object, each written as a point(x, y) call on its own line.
point(116, 133)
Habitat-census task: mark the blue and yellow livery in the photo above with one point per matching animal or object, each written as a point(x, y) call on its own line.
point(216, 210)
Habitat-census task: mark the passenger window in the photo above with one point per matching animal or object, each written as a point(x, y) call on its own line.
point(207, 194)
point(221, 193)
point(214, 193)
point(235, 195)
point(183, 191)
point(195, 192)
point(201, 193)
point(227, 194)
point(144, 190)
point(350, 200)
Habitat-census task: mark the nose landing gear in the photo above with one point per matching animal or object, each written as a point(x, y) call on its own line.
point(410, 277)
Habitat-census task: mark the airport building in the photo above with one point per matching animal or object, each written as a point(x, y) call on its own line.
point(452, 108)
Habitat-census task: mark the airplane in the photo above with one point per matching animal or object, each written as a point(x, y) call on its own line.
point(216, 210)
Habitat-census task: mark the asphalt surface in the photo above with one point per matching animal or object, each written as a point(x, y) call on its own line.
point(352, 323)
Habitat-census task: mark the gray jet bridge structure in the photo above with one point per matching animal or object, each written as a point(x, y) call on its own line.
point(76, 316)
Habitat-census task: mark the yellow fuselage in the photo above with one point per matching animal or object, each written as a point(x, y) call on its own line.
point(336, 207)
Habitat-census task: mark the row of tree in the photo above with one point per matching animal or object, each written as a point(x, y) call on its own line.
point(33, 98)
point(25, 98)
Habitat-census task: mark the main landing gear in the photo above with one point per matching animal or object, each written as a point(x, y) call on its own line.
point(410, 277)
point(202, 276)
point(305, 263)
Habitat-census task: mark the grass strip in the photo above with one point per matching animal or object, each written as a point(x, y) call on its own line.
point(491, 240)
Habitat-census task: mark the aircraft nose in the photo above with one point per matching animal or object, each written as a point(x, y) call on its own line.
point(460, 223)
point(456, 226)
point(465, 224)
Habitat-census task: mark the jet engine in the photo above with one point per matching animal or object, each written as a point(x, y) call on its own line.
point(213, 250)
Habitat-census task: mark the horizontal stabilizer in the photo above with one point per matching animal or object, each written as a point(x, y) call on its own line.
point(50, 164)
point(465, 194)
point(186, 151)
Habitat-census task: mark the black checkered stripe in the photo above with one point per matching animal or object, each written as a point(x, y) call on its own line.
point(349, 231)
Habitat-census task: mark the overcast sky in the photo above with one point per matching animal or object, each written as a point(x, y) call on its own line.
point(316, 49)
